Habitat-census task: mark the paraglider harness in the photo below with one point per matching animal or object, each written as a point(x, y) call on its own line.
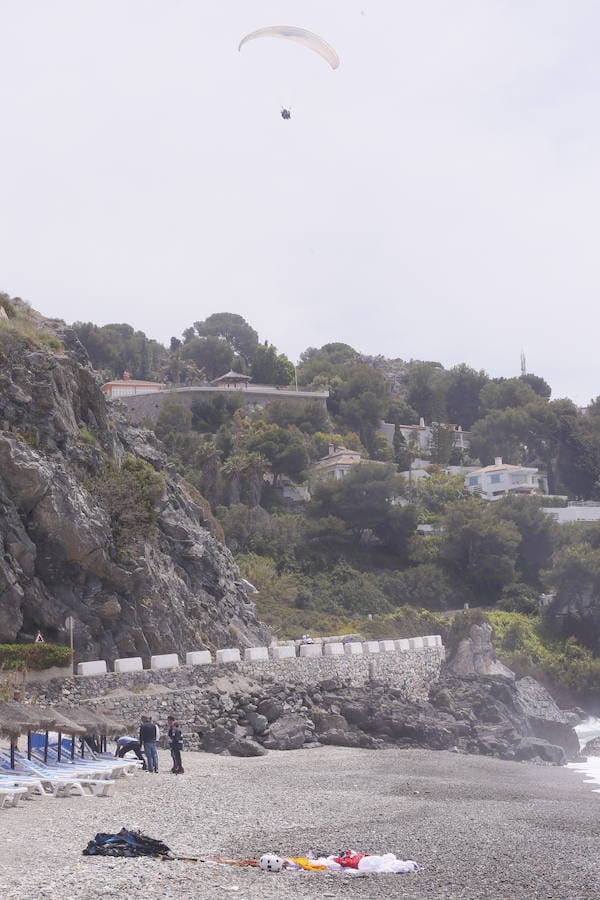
point(127, 843)
point(285, 113)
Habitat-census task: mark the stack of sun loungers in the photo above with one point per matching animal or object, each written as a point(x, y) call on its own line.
point(86, 778)
point(44, 775)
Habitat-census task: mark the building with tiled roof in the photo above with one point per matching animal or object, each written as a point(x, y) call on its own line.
point(493, 482)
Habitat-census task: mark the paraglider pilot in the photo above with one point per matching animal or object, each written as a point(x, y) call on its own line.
point(285, 113)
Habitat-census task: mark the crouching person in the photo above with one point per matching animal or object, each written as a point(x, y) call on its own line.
point(127, 744)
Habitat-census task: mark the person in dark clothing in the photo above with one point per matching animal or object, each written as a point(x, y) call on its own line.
point(127, 744)
point(149, 735)
point(175, 745)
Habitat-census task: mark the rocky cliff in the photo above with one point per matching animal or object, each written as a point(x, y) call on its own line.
point(93, 522)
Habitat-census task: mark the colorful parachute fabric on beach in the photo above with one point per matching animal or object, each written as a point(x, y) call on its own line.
point(300, 36)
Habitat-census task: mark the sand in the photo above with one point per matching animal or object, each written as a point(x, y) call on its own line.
point(479, 828)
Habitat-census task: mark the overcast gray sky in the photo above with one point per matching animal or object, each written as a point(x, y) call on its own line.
point(436, 197)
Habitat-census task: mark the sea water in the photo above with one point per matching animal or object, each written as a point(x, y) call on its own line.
point(586, 731)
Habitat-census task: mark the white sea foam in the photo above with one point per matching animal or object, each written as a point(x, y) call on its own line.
point(587, 731)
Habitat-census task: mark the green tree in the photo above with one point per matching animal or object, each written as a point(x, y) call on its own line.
point(282, 447)
point(233, 330)
point(117, 348)
point(212, 354)
point(309, 416)
point(366, 501)
point(208, 414)
point(464, 386)
point(479, 549)
point(506, 393)
point(537, 532)
point(243, 473)
point(434, 494)
point(441, 443)
point(426, 385)
point(541, 387)
point(269, 367)
point(174, 417)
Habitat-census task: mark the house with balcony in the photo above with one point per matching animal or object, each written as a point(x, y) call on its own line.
point(494, 482)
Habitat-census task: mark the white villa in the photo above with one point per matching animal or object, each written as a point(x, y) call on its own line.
point(338, 462)
point(493, 482)
point(421, 435)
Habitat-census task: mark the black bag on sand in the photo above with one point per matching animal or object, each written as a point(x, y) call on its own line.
point(127, 843)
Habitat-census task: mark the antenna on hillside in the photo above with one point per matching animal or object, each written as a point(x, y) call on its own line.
point(523, 364)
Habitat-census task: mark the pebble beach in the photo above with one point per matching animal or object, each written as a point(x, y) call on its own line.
point(478, 827)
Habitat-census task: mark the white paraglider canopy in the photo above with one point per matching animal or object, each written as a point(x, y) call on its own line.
point(300, 36)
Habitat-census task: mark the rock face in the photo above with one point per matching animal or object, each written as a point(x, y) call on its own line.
point(172, 589)
point(592, 748)
point(475, 655)
point(243, 716)
point(545, 718)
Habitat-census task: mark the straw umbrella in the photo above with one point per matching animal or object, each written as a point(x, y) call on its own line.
point(63, 725)
point(17, 719)
point(91, 720)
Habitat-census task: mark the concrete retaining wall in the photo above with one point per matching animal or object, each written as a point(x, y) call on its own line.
point(412, 672)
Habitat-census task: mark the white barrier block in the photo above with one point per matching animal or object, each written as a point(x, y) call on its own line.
point(333, 649)
point(129, 664)
point(371, 647)
point(164, 661)
point(429, 641)
point(283, 652)
point(353, 648)
point(386, 646)
point(402, 644)
point(95, 667)
point(198, 658)
point(311, 650)
point(231, 654)
point(438, 640)
point(256, 654)
point(416, 643)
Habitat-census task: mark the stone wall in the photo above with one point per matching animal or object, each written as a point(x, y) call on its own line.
point(410, 672)
point(146, 407)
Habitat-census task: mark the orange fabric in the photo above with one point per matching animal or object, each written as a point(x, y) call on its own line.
point(305, 863)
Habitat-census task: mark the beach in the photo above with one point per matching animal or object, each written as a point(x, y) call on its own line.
point(478, 828)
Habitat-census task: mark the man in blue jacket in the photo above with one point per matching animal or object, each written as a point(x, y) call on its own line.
point(149, 734)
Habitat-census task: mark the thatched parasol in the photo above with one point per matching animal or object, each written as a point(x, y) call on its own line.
point(16, 719)
point(91, 721)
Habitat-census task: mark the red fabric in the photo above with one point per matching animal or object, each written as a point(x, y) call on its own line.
point(350, 860)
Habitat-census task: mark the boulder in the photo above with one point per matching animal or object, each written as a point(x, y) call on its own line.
point(546, 719)
point(271, 709)
point(287, 733)
point(476, 656)
point(536, 748)
point(592, 748)
point(258, 722)
point(243, 747)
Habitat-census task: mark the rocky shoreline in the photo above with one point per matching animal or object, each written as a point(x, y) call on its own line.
point(480, 828)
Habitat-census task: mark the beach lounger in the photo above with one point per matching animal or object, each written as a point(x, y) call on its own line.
point(118, 767)
point(10, 795)
point(32, 786)
point(107, 767)
point(59, 783)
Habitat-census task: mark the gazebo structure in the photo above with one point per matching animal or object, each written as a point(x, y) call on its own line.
point(231, 379)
